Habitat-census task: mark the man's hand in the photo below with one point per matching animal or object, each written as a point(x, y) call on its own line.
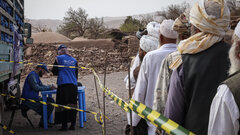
point(53, 87)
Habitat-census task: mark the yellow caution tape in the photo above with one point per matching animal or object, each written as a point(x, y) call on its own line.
point(38, 64)
point(120, 102)
point(157, 119)
point(53, 104)
point(145, 112)
point(142, 110)
point(5, 128)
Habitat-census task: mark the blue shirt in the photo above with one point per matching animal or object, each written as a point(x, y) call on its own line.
point(66, 75)
point(32, 86)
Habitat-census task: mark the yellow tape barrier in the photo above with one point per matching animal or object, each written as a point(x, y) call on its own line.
point(5, 128)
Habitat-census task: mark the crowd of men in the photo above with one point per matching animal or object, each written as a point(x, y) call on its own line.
point(183, 70)
point(192, 77)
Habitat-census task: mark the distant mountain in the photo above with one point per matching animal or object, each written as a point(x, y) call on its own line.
point(48, 23)
point(109, 22)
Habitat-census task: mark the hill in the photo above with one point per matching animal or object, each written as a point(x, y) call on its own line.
point(109, 22)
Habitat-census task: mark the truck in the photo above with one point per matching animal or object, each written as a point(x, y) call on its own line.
point(13, 31)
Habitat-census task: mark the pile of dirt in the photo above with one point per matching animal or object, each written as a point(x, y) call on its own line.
point(91, 54)
point(49, 37)
point(79, 39)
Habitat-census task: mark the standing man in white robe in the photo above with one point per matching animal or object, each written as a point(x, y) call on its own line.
point(153, 29)
point(144, 91)
point(224, 112)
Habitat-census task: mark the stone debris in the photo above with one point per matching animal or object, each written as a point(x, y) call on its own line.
point(93, 56)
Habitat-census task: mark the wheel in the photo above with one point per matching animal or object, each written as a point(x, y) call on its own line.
point(1, 113)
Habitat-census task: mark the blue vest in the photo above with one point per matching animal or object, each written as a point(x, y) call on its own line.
point(66, 75)
point(28, 92)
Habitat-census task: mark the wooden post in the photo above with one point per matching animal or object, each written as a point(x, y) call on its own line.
point(104, 109)
point(130, 94)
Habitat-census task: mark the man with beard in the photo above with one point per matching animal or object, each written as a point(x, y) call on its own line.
point(201, 67)
point(147, 44)
point(152, 30)
point(31, 89)
point(144, 91)
point(224, 113)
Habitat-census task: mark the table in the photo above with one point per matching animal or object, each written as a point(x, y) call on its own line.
point(81, 105)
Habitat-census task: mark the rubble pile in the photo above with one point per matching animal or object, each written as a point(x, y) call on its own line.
point(117, 58)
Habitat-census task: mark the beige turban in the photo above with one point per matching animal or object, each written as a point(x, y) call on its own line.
point(148, 43)
point(181, 25)
point(212, 23)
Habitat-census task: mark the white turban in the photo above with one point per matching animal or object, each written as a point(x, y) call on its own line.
point(237, 30)
point(153, 29)
point(166, 29)
point(148, 43)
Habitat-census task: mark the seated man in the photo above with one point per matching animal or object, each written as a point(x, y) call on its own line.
point(31, 89)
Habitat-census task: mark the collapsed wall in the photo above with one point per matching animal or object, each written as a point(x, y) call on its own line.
point(86, 55)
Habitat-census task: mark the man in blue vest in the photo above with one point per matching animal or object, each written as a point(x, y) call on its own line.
point(67, 88)
point(31, 89)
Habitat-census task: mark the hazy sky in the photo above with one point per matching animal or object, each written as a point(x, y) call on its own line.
point(56, 9)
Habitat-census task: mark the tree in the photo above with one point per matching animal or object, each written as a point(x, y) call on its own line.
point(174, 11)
point(145, 19)
point(95, 27)
point(74, 22)
point(41, 28)
point(131, 25)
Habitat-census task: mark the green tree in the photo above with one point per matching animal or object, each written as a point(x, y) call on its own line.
point(131, 25)
point(95, 27)
point(75, 22)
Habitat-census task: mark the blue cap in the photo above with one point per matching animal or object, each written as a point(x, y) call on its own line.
point(43, 66)
point(62, 46)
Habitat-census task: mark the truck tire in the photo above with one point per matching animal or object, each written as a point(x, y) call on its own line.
point(1, 113)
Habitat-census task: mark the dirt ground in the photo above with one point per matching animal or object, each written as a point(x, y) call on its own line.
point(117, 117)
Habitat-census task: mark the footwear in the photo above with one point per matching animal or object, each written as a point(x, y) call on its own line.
point(72, 127)
point(63, 129)
point(42, 126)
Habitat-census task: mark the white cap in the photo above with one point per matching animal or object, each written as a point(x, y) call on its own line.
point(153, 29)
point(148, 43)
point(166, 29)
point(237, 30)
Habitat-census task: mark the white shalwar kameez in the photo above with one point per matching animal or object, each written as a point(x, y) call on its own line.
point(147, 77)
point(224, 113)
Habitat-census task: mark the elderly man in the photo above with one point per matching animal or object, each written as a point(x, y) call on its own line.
point(224, 113)
point(201, 68)
point(144, 91)
point(31, 89)
point(182, 27)
point(147, 44)
point(67, 88)
point(153, 31)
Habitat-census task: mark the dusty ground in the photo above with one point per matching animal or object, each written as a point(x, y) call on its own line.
point(115, 126)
